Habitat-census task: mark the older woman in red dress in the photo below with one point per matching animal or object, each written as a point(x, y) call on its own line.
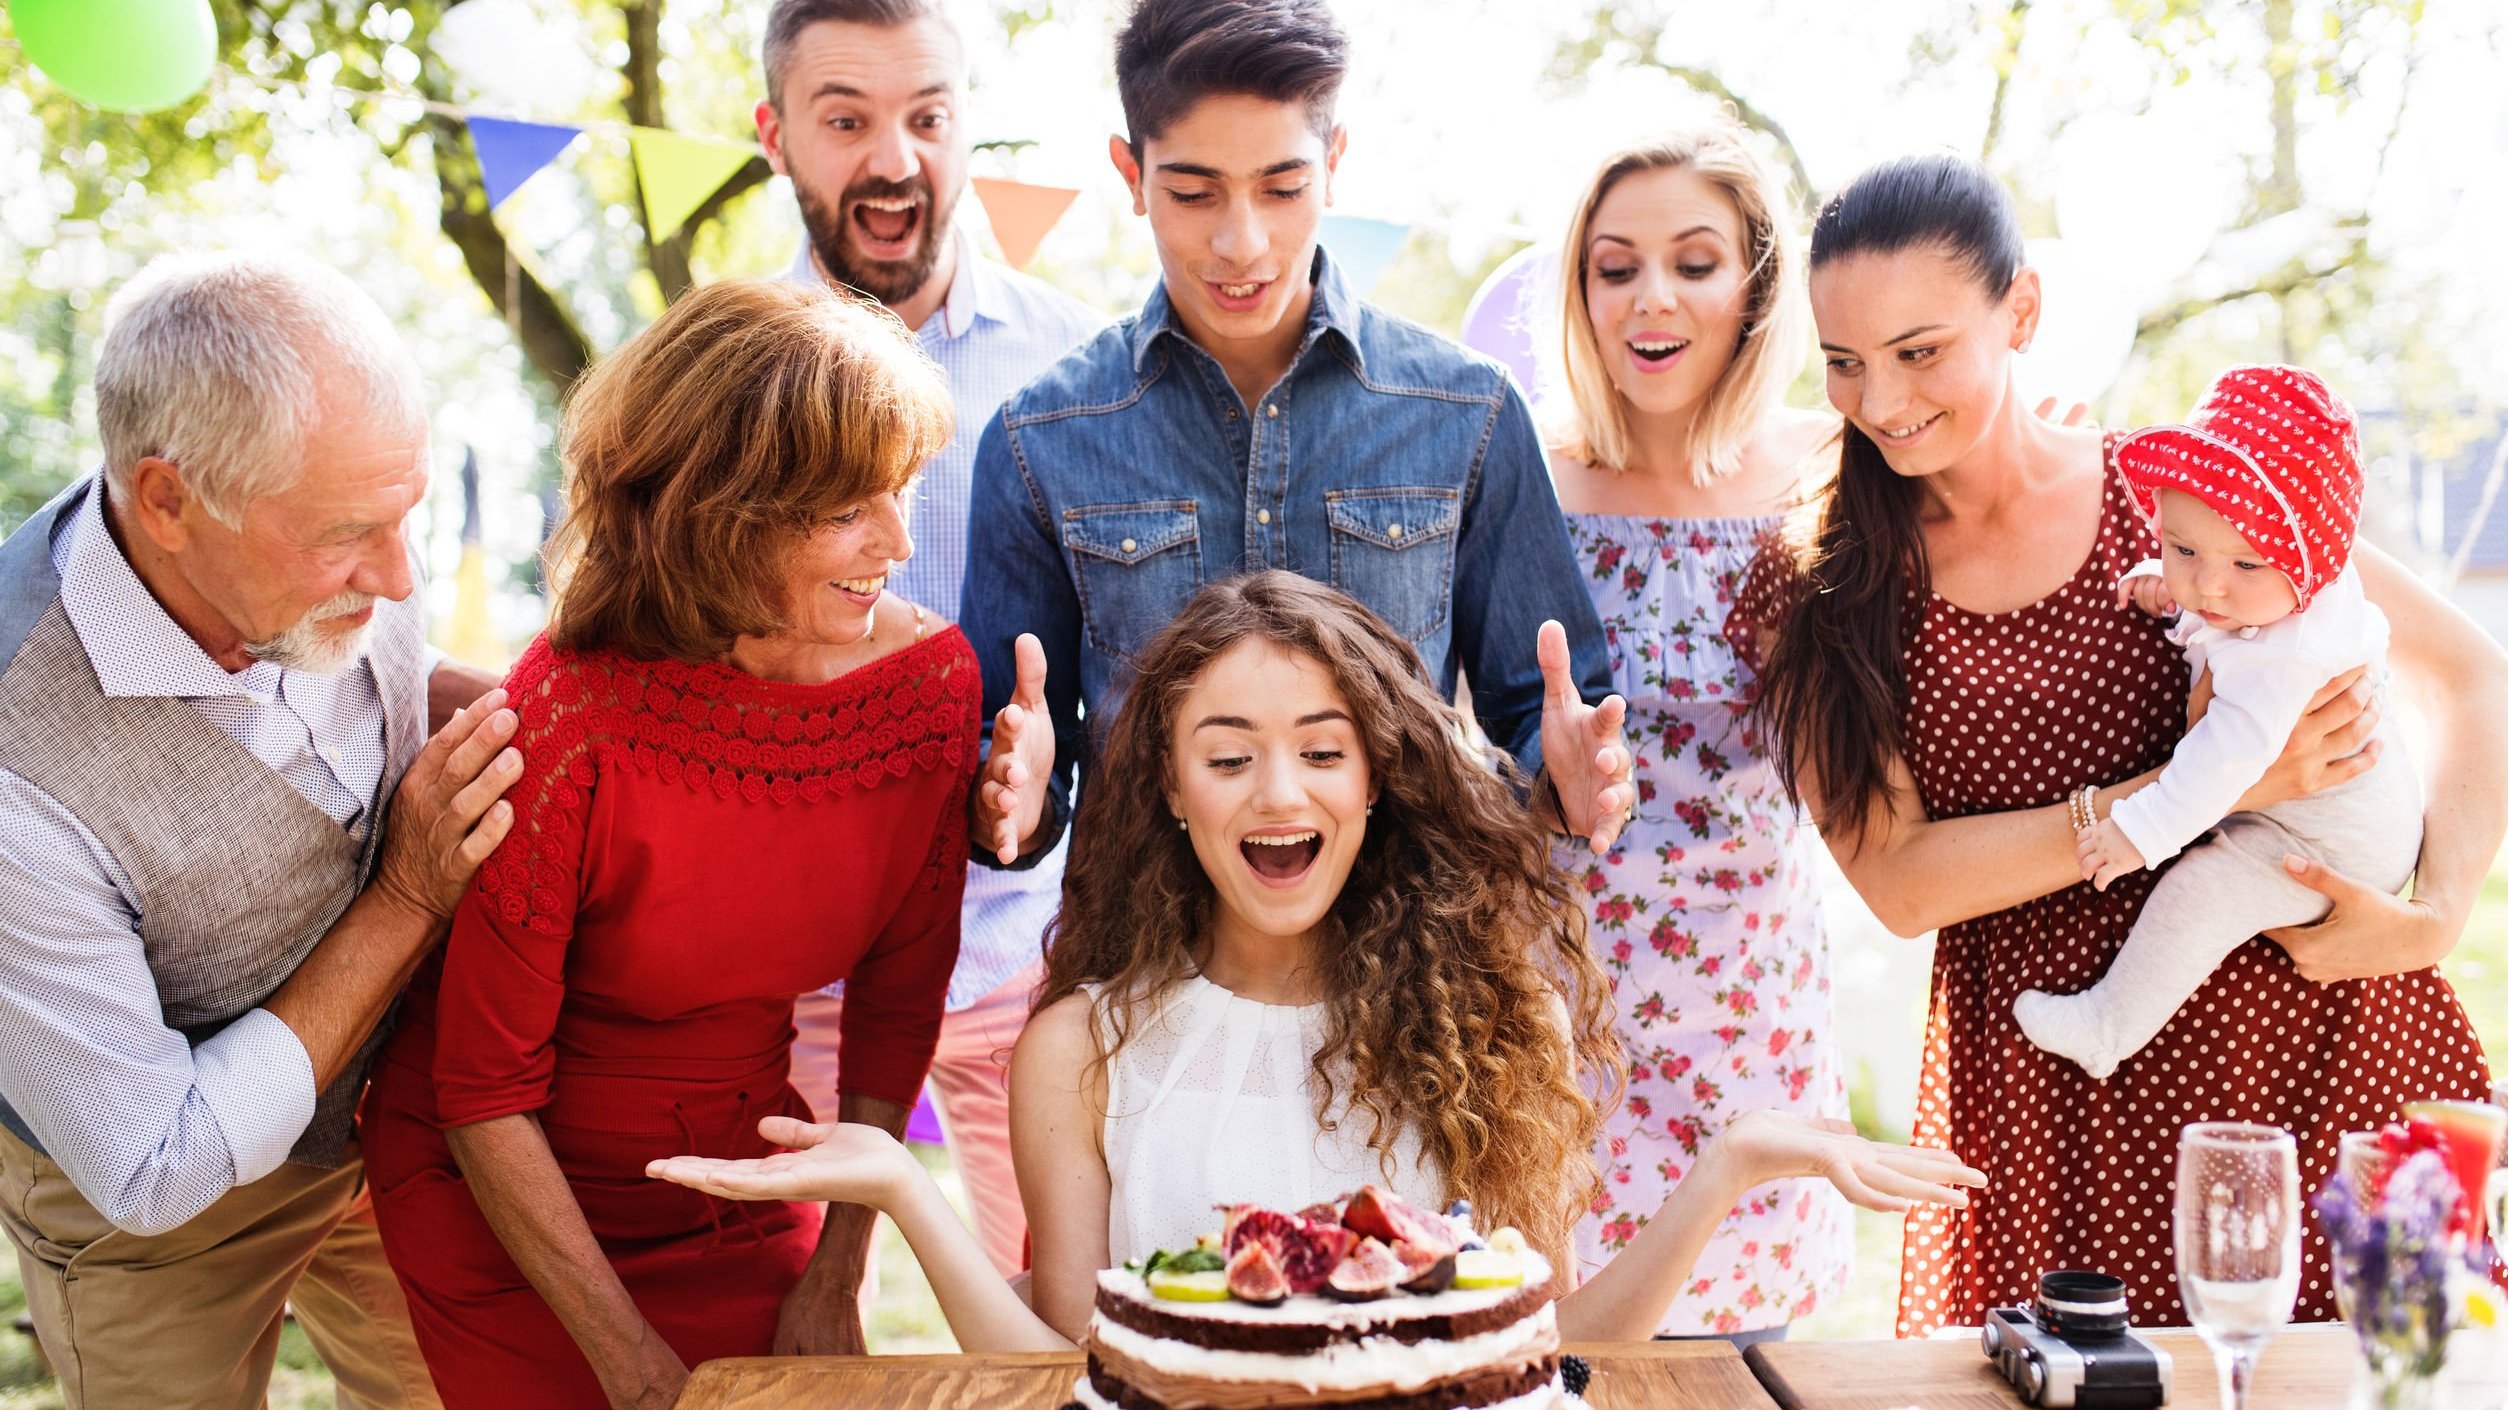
point(745, 777)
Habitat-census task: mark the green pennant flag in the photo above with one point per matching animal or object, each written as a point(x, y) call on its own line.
point(677, 173)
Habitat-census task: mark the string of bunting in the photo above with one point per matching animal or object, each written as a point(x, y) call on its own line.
point(675, 172)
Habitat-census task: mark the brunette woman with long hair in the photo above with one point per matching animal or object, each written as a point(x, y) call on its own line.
point(1288, 857)
point(1950, 675)
point(1683, 320)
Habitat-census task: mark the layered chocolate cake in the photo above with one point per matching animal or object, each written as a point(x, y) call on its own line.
point(1365, 1305)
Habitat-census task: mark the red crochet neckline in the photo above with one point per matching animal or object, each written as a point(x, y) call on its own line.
point(715, 729)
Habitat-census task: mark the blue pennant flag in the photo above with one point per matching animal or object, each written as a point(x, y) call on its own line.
point(511, 152)
point(1363, 248)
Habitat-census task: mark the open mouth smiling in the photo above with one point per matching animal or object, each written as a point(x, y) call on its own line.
point(1281, 858)
point(1655, 352)
point(888, 220)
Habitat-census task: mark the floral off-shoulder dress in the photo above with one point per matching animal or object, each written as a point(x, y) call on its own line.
point(1706, 917)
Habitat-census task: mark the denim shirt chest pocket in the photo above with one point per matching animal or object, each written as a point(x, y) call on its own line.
point(1393, 549)
point(1136, 566)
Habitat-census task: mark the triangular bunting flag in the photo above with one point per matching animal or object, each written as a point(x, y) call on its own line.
point(677, 174)
point(1022, 215)
point(511, 152)
point(469, 634)
point(1363, 248)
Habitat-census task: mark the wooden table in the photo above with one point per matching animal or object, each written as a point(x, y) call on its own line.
point(2303, 1368)
point(1661, 1376)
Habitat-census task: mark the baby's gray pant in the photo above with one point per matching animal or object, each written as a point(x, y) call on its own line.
point(2230, 885)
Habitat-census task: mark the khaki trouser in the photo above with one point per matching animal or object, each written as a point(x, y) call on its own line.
point(189, 1320)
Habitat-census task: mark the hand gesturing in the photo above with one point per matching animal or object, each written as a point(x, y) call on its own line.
point(1581, 749)
point(848, 1162)
point(1010, 794)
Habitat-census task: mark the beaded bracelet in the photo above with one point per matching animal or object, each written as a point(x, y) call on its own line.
point(2083, 806)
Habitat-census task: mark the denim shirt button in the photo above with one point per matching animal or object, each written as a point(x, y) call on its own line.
point(1271, 409)
point(1129, 545)
point(1262, 516)
point(1394, 532)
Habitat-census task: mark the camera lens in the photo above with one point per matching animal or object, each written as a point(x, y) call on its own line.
point(2075, 1304)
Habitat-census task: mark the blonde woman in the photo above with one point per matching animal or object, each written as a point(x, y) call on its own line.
point(1683, 320)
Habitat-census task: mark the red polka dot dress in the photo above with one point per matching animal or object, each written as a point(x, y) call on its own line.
point(2013, 710)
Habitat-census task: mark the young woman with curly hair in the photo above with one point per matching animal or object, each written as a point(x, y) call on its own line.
point(1309, 940)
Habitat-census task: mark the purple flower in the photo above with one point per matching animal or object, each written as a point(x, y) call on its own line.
point(2393, 1258)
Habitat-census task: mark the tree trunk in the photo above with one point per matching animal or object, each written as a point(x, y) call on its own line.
point(669, 259)
point(2280, 192)
point(2014, 27)
point(554, 345)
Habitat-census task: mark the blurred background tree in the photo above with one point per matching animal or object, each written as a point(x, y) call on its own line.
point(2211, 182)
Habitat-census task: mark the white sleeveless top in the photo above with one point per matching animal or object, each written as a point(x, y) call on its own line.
point(1208, 1103)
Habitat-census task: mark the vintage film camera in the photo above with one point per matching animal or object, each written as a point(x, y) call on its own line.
point(2072, 1348)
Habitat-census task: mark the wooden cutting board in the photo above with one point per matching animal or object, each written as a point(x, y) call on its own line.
point(1659, 1376)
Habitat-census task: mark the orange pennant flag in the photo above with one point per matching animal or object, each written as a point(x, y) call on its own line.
point(1022, 215)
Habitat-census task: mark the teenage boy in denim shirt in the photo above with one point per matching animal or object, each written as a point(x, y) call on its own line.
point(1254, 414)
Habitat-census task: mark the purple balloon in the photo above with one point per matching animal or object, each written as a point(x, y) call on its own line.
point(1511, 308)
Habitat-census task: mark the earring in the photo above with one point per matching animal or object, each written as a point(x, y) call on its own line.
point(1182, 826)
point(1371, 810)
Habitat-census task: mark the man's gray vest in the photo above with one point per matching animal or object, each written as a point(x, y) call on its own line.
point(236, 874)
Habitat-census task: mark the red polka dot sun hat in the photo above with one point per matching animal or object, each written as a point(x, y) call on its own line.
point(2275, 452)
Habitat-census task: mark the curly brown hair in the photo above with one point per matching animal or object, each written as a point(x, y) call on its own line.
point(1463, 1004)
point(701, 454)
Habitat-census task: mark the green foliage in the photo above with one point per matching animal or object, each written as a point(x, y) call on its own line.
point(1192, 1260)
point(296, 93)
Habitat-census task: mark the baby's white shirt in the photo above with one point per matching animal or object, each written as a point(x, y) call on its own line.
point(2262, 680)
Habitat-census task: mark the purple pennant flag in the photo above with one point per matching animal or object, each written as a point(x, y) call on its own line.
point(511, 152)
point(924, 1124)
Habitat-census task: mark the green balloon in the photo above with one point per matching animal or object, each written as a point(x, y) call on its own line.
point(132, 56)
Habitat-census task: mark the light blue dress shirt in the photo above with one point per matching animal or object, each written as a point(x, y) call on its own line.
point(997, 330)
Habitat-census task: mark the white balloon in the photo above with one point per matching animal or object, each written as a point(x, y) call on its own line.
point(2086, 327)
point(505, 52)
point(2139, 195)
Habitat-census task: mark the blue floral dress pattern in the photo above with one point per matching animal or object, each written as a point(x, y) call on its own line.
point(1706, 917)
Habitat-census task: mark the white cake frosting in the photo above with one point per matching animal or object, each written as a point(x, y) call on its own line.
point(1343, 1366)
point(1371, 1359)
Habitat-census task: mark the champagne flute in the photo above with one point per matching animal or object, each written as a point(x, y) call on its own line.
point(2237, 1241)
point(2360, 1158)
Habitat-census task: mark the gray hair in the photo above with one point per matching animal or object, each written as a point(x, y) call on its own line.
point(217, 363)
point(785, 22)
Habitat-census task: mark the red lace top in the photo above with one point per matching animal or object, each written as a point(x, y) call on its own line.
point(693, 847)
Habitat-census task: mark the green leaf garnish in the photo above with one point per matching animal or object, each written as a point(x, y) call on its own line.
point(1192, 1260)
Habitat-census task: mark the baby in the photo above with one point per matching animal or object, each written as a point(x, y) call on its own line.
point(2255, 500)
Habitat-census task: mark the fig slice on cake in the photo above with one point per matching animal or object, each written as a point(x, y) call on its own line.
point(1371, 1271)
point(1375, 1212)
point(1424, 1270)
point(1255, 1277)
point(1304, 1251)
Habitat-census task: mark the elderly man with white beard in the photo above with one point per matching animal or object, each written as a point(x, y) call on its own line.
point(226, 840)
